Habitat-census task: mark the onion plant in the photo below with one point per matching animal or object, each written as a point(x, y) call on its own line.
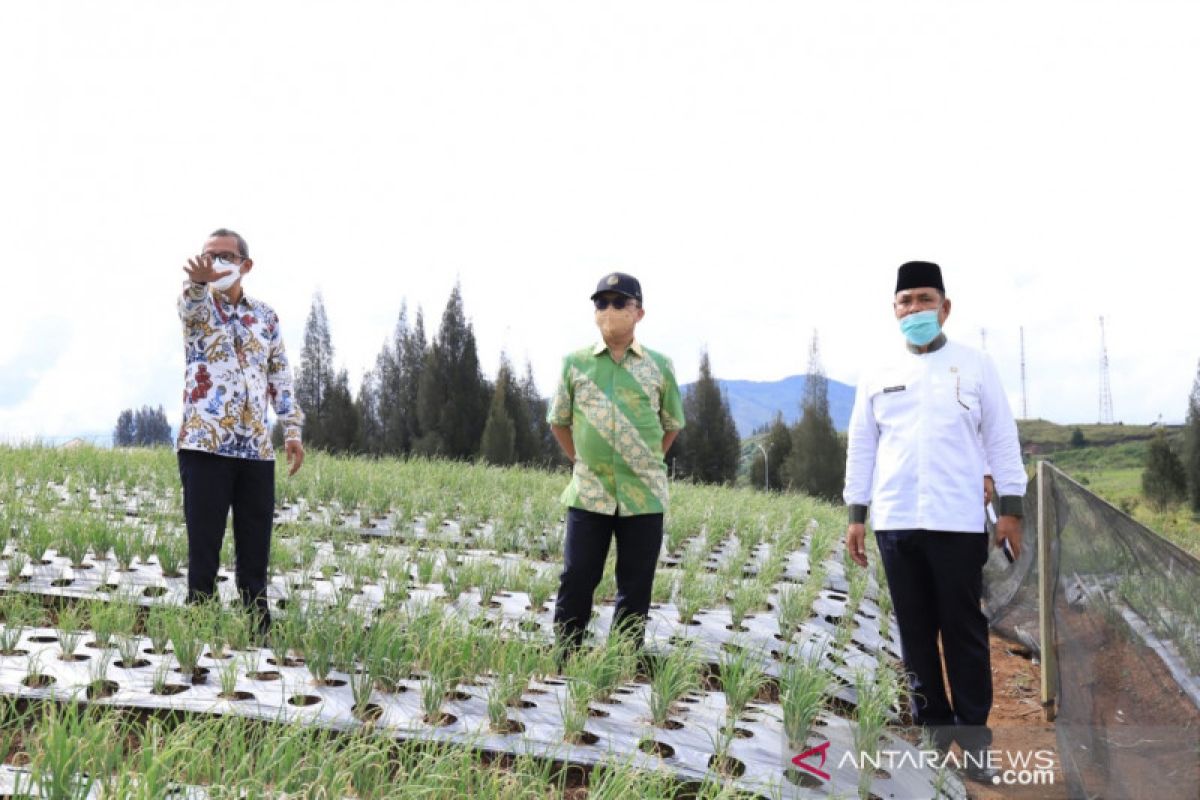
point(674, 675)
point(803, 685)
point(747, 596)
point(71, 623)
point(742, 678)
point(17, 612)
point(17, 561)
point(877, 695)
point(186, 640)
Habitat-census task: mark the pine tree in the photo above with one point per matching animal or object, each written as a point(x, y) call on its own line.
point(1164, 481)
point(315, 376)
point(150, 427)
point(411, 350)
point(817, 464)
point(452, 396)
point(709, 445)
point(545, 449)
point(1191, 450)
point(778, 444)
point(339, 427)
point(370, 431)
point(123, 432)
point(498, 445)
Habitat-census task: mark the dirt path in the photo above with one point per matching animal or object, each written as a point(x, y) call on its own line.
point(1018, 723)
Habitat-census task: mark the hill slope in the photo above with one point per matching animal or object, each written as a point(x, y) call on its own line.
point(755, 403)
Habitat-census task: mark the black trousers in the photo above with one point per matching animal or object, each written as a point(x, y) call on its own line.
point(639, 539)
point(936, 582)
point(212, 485)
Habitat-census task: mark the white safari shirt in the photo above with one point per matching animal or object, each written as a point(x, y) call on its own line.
point(925, 429)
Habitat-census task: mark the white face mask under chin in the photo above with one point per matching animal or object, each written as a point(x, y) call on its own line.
point(226, 283)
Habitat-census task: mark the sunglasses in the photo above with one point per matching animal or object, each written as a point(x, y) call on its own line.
point(618, 302)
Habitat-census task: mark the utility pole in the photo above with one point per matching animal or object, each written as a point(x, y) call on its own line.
point(766, 467)
point(1106, 407)
point(1024, 390)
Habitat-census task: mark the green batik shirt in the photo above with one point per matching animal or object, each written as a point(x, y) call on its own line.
point(617, 414)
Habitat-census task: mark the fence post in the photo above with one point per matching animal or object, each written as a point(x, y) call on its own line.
point(1045, 529)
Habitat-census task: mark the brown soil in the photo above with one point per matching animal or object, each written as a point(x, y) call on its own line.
point(1018, 723)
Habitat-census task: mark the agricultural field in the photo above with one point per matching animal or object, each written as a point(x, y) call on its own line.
point(412, 651)
point(1114, 472)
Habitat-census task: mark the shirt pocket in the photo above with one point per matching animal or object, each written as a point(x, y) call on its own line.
point(957, 398)
point(894, 405)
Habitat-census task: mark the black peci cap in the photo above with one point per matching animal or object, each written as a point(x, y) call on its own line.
point(919, 274)
point(620, 283)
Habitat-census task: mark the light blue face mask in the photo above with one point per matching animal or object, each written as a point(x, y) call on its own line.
point(921, 327)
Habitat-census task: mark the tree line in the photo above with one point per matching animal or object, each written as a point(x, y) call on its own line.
point(1169, 478)
point(428, 396)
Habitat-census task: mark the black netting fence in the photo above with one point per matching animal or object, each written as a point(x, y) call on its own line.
point(1123, 652)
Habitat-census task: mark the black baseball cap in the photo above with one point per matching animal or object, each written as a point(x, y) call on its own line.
point(620, 283)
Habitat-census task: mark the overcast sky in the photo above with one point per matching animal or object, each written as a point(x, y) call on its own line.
point(762, 167)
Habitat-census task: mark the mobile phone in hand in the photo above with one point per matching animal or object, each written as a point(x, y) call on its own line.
point(1008, 553)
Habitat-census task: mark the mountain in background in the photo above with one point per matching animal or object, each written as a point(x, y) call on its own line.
point(755, 403)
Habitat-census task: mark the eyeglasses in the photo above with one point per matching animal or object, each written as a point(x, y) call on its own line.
point(619, 302)
point(232, 257)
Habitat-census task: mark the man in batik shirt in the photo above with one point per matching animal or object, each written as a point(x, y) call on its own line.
point(615, 413)
point(236, 368)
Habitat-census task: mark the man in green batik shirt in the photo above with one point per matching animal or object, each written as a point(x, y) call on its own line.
point(615, 413)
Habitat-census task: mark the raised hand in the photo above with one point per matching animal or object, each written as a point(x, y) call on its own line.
point(200, 269)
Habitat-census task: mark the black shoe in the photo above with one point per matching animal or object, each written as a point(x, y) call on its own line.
point(982, 774)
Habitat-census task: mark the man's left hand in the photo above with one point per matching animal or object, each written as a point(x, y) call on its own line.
point(1009, 527)
point(295, 455)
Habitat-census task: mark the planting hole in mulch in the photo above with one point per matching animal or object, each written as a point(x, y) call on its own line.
point(655, 748)
point(528, 626)
point(727, 766)
point(582, 737)
point(554, 682)
point(138, 664)
point(805, 780)
point(43, 639)
point(622, 690)
point(236, 696)
point(199, 675)
point(169, 689)
point(287, 662)
point(12, 653)
point(671, 725)
point(520, 702)
point(221, 657)
point(441, 720)
point(73, 657)
point(508, 726)
point(38, 681)
point(101, 689)
point(455, 694)
point(166, 651)
point(303, 700)
point(597, 712)
point(263, 675)
point(739, 628)
point(154, 591)
point(332, 683)
point(61, 582)
point(742, 733)
point(371, 712)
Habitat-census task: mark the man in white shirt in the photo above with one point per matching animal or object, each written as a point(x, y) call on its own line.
point(928, 422)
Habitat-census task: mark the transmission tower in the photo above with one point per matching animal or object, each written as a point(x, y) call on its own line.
point(1106, 409)
point(1024, 390)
